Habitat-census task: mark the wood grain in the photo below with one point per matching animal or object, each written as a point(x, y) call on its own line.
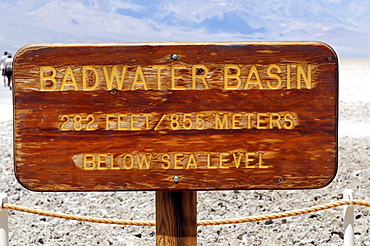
point(176, 218)
point(282, 138)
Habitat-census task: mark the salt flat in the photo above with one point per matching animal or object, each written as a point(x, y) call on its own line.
point(354, 97)
point(6, 103)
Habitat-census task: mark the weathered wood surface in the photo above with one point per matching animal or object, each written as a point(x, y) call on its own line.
point(221, 116)
point(176, 218)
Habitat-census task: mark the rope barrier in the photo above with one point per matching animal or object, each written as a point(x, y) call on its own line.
point(78, 218)
point(199, 223)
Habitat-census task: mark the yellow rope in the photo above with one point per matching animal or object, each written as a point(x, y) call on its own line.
point(199, 223)
point(78, 218)
point(273, 216)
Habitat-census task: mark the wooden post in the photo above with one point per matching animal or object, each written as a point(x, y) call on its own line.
point(176, 218)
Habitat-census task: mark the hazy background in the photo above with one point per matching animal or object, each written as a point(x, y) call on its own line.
point(343, 24)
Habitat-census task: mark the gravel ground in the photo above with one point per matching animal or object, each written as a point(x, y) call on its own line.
point(321, 228)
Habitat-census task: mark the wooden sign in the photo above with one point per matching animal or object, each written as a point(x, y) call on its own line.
point(175, 116)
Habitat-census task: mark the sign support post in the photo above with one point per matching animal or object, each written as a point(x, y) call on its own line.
point(176, 218)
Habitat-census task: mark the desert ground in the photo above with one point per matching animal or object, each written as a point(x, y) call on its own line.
point(320, 228)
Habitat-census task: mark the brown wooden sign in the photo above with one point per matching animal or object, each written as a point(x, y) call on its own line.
point(175, 116)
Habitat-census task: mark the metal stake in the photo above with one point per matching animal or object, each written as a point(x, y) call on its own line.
point(4, 228)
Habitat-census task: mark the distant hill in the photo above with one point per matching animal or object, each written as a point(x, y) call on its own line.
point(344, 24)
